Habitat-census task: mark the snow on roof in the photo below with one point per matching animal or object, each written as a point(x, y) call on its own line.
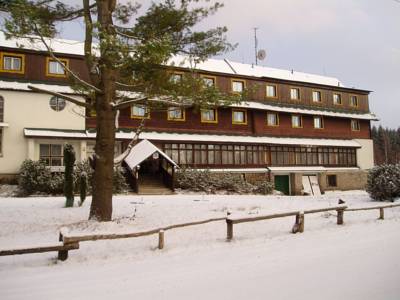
point(23, 86)
point(212, 65)
point(262, 106)
point(247, 139)
point(164, 136)
point(57, 45)
point(308, 169)
point(235, 68)
point(142, 151)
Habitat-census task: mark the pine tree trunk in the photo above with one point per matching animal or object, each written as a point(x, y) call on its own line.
point(101, 207)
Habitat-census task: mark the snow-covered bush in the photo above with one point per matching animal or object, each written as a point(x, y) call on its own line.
point(206, 181)
point(383, 182)
point(36, 177)
point(264, 187)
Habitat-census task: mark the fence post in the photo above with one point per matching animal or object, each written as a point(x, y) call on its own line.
point(62, 254)
point(301, 222)
point(229, 229)
point(381, 214)
point(161, 239)
point(340, 213)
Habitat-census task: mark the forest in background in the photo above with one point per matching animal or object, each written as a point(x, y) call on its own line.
point(386, 145)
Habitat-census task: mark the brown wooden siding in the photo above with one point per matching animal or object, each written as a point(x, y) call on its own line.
point(338, 128)
point(35, 68)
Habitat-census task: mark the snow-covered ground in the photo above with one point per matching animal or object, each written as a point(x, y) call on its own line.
point(358, 260)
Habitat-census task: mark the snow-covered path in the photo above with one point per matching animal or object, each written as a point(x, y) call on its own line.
point(354, 261)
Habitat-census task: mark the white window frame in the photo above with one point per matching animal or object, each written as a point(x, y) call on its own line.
point(317, 96)
point(276, 123)
point(300, 121)
point(297, 94)
point(271, 88)
point(321, 122)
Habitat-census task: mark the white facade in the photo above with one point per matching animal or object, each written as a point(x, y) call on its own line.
point(32, 110)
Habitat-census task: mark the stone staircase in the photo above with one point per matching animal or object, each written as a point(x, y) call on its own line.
point(153, 185)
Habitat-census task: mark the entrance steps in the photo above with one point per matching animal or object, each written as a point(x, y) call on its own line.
point(153, 186)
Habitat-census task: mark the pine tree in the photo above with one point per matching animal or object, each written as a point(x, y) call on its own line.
point(130, 53)
point(69, 161)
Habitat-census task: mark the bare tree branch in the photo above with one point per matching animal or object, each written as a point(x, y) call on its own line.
point(124, 104)
point(65, 97)
point(133, 142)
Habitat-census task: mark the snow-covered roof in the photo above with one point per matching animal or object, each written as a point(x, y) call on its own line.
point(65, 46)
point(262, 106)
point(142, 151)
point(308, 169)
point(57, 45)
point(23, 86)
point(164, 136)
point(236, 68)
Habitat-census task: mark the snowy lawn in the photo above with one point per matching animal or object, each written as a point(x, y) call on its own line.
point(358, 260)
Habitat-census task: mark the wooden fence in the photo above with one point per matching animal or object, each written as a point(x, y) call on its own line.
point(68, 242)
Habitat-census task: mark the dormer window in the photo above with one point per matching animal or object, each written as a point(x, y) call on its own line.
point(176, 77)
point(208, 81)
point(316, 96)
point(295, 94)
point(271, 91)
point(238, 86)
point(353, 101)
point(12, 63)
point(55, 68)
point(337, 99)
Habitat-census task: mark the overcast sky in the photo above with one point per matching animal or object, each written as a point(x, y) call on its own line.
point(357, 41)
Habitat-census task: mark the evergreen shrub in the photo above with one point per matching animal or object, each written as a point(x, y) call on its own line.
point(36, 177)
point(206, 181)
point(383, 182)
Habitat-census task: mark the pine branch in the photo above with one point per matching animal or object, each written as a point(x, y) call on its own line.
point(65, 67)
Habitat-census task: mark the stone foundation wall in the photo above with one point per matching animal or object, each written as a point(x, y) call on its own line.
point(352, 180)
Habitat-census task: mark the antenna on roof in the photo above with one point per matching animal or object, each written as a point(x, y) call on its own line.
point(255, 44)
point(259, 54)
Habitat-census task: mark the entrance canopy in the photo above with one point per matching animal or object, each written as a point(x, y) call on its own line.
point(142, 151)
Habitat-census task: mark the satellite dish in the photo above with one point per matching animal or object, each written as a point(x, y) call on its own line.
point(261, 54)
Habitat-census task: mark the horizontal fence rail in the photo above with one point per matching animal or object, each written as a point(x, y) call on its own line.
point(68, 242)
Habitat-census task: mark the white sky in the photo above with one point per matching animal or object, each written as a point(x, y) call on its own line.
point(357, 41)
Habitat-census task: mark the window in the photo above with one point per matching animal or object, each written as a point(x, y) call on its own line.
point(140, 112)
point(208, 81)
point(353, 101)
point(318, 123)
point(297, 121)
point(295, 94)
point(211, 155)
point(272, 119)
point(316, 96)
point(176, 114)
point(176, 77)
point(12, 63)
point(337, 99)
point(271, 91)
point(51, 154)
point(331, 180)
point(56, 69)
point(238, 86)
point(355, 125)
point(57, 104)
point(209, 116)
point(239, 117)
